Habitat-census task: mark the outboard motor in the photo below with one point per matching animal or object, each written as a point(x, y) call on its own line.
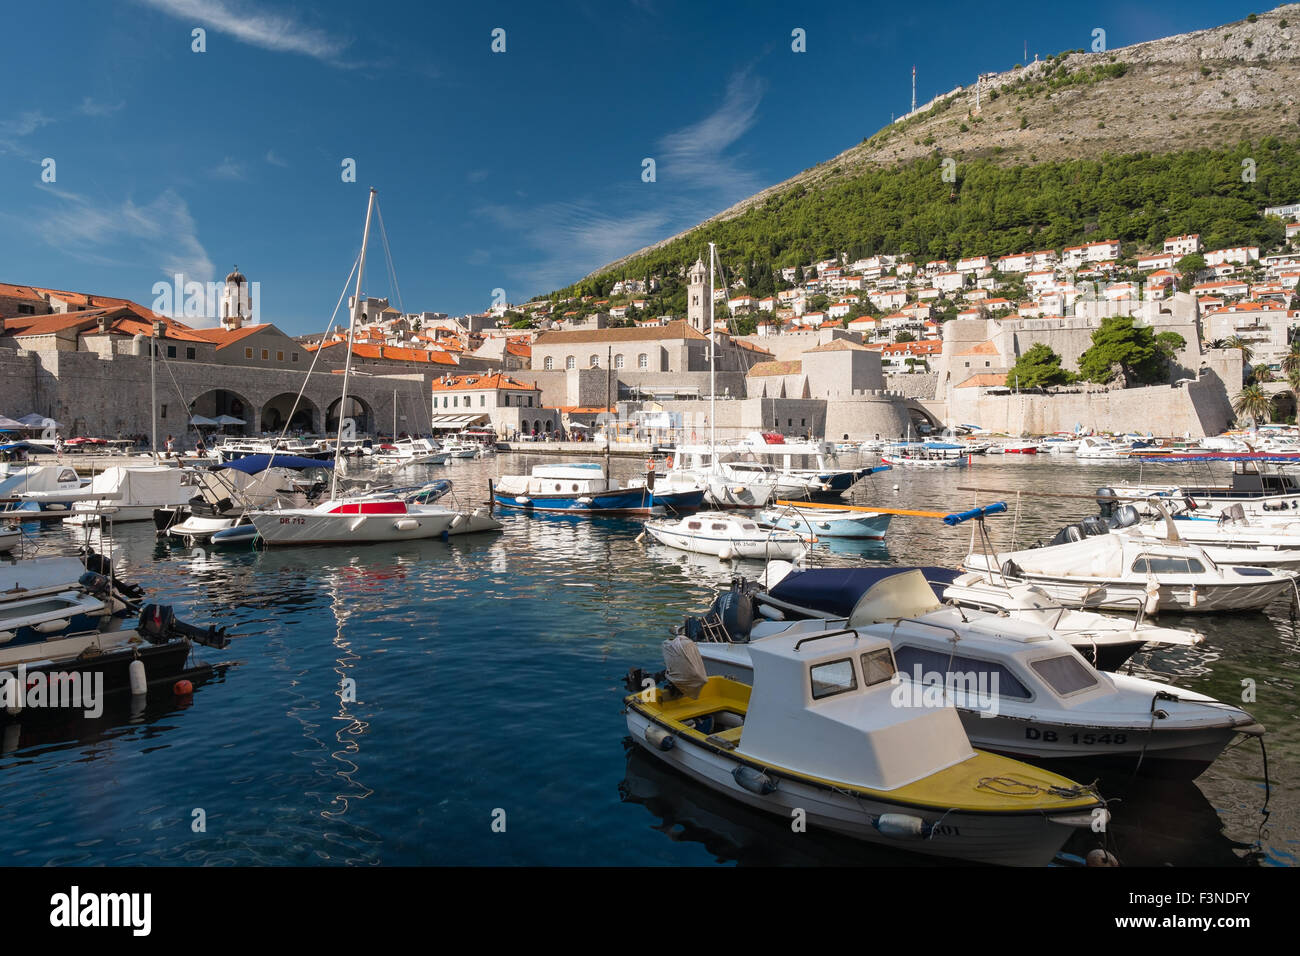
point(158, 625)
point(1106, 501)
point(1124, 517)
point(96, 584)
point(1068, 534)
point(1010, 569)
point(1094, 525)
point(735, 609)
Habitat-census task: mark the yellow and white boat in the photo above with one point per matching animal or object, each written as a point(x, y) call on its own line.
point(828, 735)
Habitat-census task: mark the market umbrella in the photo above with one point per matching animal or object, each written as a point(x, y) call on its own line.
point(36, 420)
point(202, 420)
point(6, 422)
point(229, 420)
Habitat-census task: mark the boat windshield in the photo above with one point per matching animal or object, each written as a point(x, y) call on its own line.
point(1064, 674)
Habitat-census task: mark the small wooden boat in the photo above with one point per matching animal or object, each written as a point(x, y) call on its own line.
point(727, 536)
point(822, 734)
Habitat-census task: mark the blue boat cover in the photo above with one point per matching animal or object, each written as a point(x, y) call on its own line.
point(252, 464)
point(837, 590)
point(26, 446)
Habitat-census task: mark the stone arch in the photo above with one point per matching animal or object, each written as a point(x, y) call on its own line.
point(358, 410)
point(276, 412)
point(215, 402)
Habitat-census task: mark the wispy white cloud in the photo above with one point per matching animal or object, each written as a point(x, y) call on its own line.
point(24, 124)
point(162, 232)
point(699, 172)
point(275, 160)
point(93, 107)
point(17, 128)
point(228, 169)
point(247, 23)
point(696, 156)
point(574, 238)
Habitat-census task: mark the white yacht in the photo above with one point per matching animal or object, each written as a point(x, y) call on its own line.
point(728, 536)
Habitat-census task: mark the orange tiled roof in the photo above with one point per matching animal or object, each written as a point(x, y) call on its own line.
point(985, 380)
point(473, 382)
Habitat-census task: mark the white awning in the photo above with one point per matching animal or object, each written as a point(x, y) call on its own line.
point(457, 421)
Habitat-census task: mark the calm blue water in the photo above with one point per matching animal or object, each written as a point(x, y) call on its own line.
point(488, 678)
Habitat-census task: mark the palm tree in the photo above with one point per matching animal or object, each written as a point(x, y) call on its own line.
point(1262, 373)
point(1291, 361)
point(1237, 342)
point(1252, 402)
point(1293, 382)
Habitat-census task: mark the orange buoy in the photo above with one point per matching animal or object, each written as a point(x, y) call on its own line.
point(182, 688)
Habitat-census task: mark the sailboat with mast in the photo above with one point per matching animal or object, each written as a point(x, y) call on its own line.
point(696, 465)
point(383, 516)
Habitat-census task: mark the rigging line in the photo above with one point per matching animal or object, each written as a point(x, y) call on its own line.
point(388, 255)
point(320, 348)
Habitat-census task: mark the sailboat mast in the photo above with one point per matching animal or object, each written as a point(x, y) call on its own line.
point(352, 327)
point(713, 385)
point(153, 393)
point(609, 370)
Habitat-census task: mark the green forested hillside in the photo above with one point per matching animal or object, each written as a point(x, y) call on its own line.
point(989, 209)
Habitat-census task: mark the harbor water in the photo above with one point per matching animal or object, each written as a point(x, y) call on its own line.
point(460, 703)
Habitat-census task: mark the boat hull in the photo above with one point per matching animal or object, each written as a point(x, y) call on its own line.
point(627, 501)
point(1012, 839)
point(782, 548)
point(279, 528)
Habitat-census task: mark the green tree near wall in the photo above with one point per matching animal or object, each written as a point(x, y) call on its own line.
point(1121, 346)
point(1039, 367)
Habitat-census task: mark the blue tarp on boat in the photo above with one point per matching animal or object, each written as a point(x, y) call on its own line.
point(837, 590)
point(252, 464)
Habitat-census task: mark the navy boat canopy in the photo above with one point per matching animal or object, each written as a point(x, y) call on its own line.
point(253, 464)
point(837, 590)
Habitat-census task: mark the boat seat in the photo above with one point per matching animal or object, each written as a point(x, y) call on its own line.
point(727, 739)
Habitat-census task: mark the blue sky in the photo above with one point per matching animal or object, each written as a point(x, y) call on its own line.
point(518, 170)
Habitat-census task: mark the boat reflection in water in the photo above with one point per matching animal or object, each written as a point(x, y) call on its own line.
point(1154, 823)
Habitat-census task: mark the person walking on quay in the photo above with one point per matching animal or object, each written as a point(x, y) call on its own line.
point(171, 445)
point(58, 446)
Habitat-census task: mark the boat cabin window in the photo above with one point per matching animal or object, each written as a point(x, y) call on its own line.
point(749, 526)
point(831, 678)
point(877, 666)
point(718, 526)
point(694, 525)
point(919, 664)
point(1156, 565)
point(1065, 674)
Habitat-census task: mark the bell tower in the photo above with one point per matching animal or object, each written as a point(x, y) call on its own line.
point(697, 306)
point(235, 306)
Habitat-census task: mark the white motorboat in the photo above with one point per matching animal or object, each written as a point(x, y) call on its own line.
point(1121, 573)
point(1094, 448)
point(41, 490)
point(922, 458)
point(1020, 687)
point(9, 538)
point(727, 536)
point(409, 452)
point(1263, 490)
point(129, 494)
point(694, 466)
point(1106, 641)
point(821, 734)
